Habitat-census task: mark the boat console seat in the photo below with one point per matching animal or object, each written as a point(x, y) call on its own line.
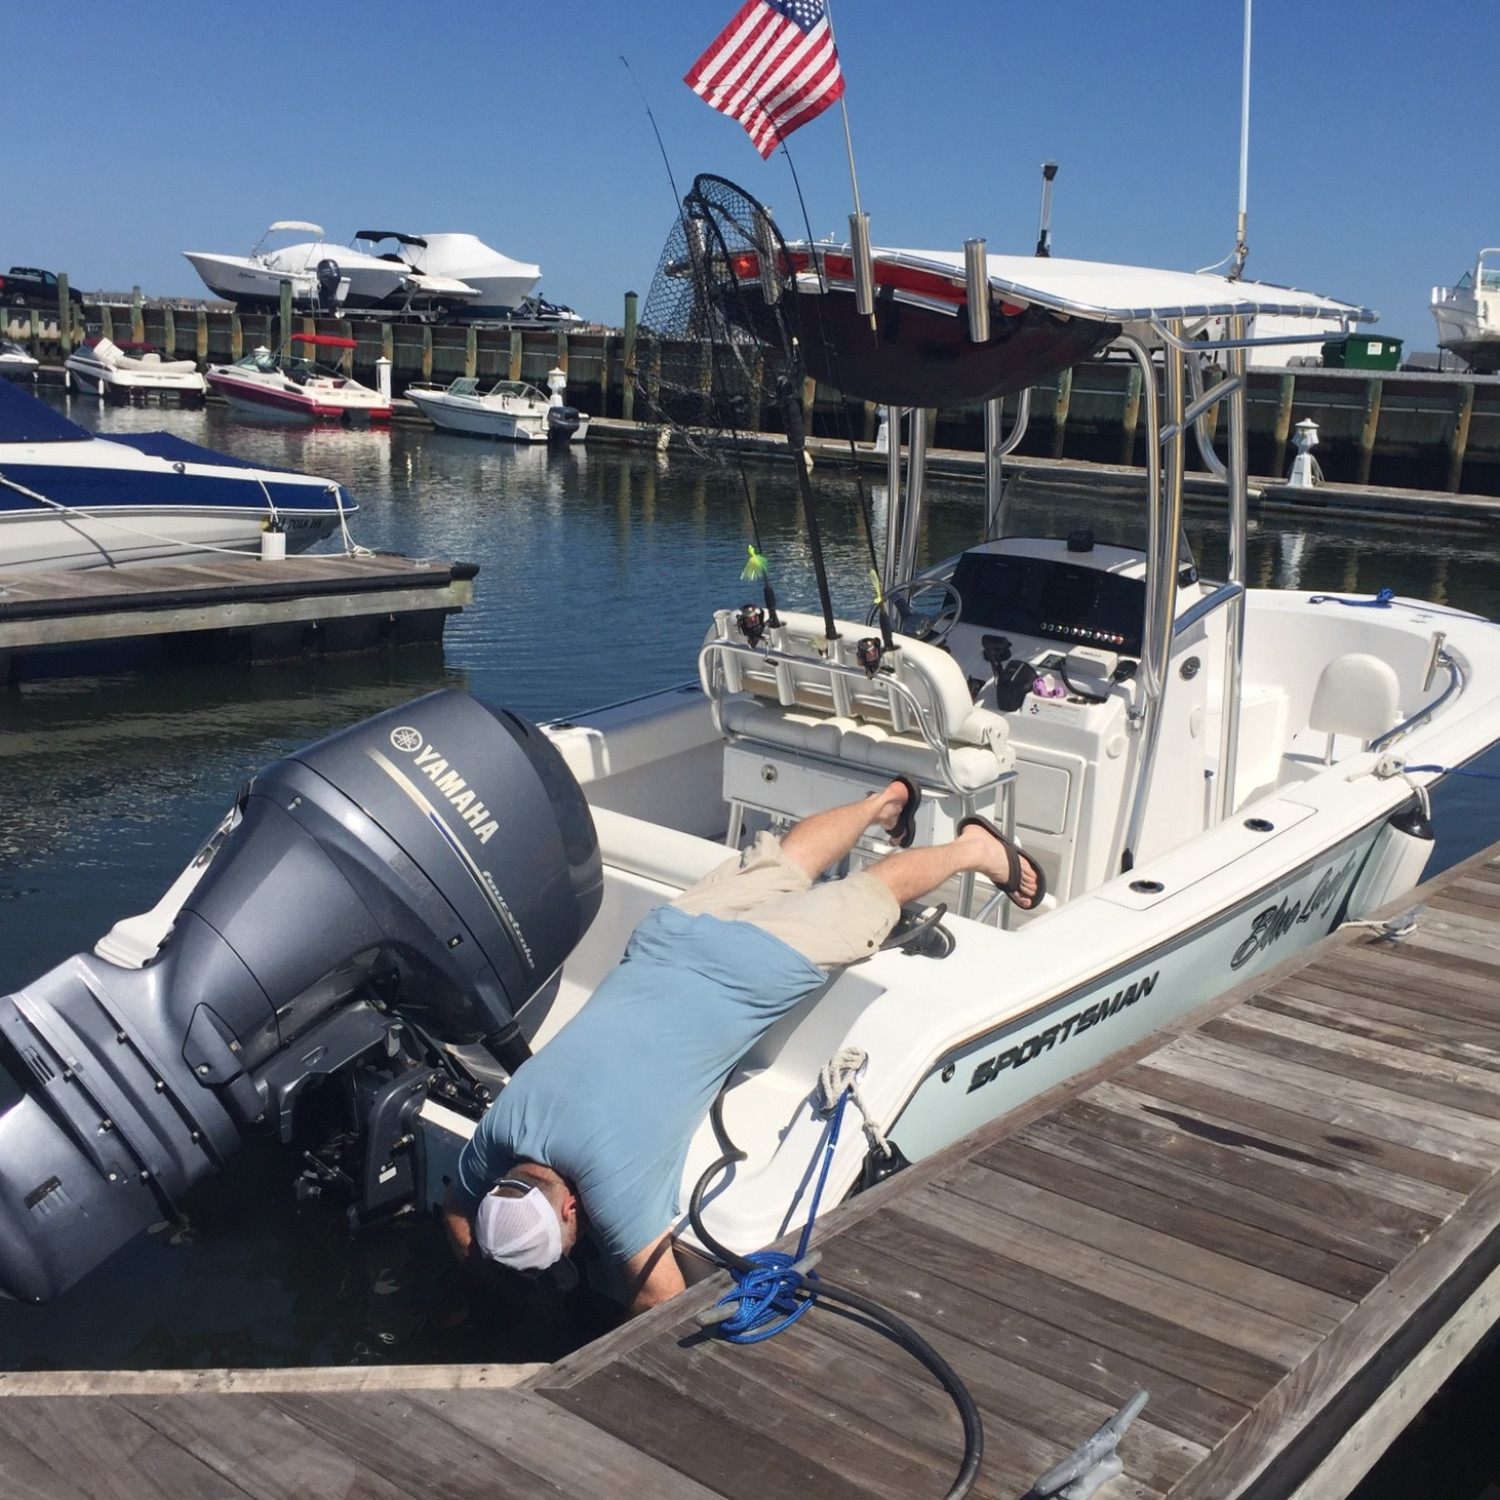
point(809, 727)
point(1358, 695)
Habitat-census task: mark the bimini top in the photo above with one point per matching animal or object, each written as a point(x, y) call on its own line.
point(1105, 292)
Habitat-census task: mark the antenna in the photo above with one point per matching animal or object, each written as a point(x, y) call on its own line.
point(1241, 245)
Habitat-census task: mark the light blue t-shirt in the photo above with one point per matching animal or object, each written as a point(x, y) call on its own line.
point(613, 1099)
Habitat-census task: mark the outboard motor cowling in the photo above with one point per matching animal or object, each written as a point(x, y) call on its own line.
point(429, 868)
point(333, 285)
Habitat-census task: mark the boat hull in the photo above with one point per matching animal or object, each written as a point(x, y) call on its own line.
point(456, 414)
point(1011, 1064)
point(117, 536)
point(288, 401)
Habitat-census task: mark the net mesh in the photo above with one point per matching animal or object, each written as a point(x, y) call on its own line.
point(715, 343)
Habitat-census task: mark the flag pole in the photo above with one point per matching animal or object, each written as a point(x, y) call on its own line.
point(859, 221)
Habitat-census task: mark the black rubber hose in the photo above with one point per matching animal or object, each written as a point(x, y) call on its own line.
point(902, 1333)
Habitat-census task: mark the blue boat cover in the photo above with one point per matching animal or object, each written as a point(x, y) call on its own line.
point(24, 419)
point(178, 450)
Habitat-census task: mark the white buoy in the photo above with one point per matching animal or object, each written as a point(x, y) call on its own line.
point(272, 543)
point(1305, 471)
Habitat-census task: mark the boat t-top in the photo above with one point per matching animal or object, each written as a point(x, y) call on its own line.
point(291, 383)
point(1211, 774)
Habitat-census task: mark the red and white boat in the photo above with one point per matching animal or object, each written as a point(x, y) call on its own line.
point(295, 386)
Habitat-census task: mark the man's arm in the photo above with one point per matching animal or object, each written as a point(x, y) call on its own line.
point(459, 1224)
point(651, 1276)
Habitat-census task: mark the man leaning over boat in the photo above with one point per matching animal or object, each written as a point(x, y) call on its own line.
point(592, 1133)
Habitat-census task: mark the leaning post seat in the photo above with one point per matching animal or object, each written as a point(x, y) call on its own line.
point(808, 728)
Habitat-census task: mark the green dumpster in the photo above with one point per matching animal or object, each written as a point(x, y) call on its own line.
point(1362, 351)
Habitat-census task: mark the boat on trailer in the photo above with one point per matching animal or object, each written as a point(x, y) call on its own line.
point(1212, 776)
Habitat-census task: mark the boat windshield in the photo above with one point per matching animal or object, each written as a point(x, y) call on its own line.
point(516, 388)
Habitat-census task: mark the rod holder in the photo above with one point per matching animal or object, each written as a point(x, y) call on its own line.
point(977, 281)
point(864, 264)
point(768, 256)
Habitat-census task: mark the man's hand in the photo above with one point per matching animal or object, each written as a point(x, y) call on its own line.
point(460, 1226)
point(652, 1275)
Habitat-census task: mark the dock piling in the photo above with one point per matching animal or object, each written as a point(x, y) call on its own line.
point(1458, 441)
point(628, 381)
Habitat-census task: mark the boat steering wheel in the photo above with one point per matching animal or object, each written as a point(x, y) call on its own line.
point(925, 608)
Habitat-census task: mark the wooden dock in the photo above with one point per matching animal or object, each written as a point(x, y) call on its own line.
point(1280, 1217)
point(225, 608)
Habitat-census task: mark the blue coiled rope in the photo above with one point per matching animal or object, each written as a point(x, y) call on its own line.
point(770, 1289)
point(790, 1299)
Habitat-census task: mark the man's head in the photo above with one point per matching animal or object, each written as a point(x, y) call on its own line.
point(528, 1220)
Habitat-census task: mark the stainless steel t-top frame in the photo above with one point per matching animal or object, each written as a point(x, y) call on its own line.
point(1172, 367)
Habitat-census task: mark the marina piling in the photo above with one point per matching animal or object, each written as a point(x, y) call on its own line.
point(1367, 431)
point(1458, 442)
point(628, 398)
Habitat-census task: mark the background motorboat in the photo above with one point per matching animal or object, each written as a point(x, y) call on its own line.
point(510, 410)
point(324, 277)
point(426, 292)
point(293, 385)
point(123, 371)
point(502, 283)
point(72, 500)
point(15, 362)
point(1468, 314)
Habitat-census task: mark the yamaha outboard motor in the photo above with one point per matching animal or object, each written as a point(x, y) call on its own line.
point(407, 883)
point(562, 423)
point(332, 286)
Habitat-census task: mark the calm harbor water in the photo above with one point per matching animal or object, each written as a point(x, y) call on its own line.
point(598, 573)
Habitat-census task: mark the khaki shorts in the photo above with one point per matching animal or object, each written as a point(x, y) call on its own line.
point(832, 923)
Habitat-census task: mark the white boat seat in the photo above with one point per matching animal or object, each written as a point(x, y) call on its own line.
point(801, 692)
point(1357, 694)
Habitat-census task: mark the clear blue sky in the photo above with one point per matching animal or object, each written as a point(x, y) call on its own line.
point(136, 131)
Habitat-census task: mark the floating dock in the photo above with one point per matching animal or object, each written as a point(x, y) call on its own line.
point(1280, 1217)
point(224, 609)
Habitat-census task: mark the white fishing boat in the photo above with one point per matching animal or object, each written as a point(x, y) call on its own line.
point(292, 385)
point(1211, 775)
point(511, 411)
point(69, 499)
point(1468, 314)
point(324, 277)
point(124, 372)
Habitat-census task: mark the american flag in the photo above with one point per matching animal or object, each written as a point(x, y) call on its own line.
point(772, 68)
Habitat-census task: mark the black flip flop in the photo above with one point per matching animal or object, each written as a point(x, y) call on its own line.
point(906, 825)
point(1016, 854)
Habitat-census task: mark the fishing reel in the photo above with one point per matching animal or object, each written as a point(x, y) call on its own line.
point(868, 652)
point(751, 621)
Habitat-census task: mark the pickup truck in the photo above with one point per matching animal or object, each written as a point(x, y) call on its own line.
point(26, 286)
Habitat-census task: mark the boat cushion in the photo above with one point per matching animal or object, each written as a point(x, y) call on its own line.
point(807, 698)
point(1357, 694)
